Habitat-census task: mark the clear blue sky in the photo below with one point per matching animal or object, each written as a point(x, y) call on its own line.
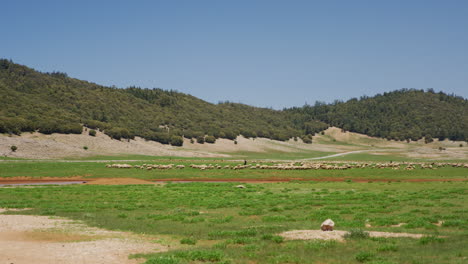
point(263, 53)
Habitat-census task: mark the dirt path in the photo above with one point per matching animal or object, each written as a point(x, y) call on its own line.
point(339, 154)
point(127, 181)
point(26, 239)
point(337, 235)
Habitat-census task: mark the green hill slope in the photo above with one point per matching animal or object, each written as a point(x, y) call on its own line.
point(56, 103)
point(53, 102)
point(406, 114)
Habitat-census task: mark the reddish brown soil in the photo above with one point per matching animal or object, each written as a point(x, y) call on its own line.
point(307, 179)
point(121, 181)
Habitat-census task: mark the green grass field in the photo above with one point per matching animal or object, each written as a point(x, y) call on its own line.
point(217, 223)
point(98, 169)
point(221, 224)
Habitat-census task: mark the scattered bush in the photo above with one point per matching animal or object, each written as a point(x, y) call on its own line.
point(428, 139)
point(307, 139)
point(119, 133)
point(13, 148)
point(92, 132)
point(85, 147)
point(210, 139)
point(356, 234)
point(228, 134)
point(161, 137)
point(56, 127)
point(235, 142)
point(200, 139)
point(188, 241)
point(177, 141)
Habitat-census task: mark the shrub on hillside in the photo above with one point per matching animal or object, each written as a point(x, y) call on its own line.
point(92, 132)
point(161, 137)
point(119, 133)
point(307, 139)
point(228, 134)
point(200, 139)
point(93, 124)
point(428, 139)
point(177, 141)
point(210, 139)
point(55, 127)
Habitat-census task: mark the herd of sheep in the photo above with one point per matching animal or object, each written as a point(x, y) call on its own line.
point(298, 166)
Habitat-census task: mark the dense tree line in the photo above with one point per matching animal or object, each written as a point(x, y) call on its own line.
point(406, 114)
point(55, 103)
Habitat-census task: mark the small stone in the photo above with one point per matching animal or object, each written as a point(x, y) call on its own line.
point(240, 186)
point(327, 225)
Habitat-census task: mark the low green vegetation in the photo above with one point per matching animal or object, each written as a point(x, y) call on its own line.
point(217, 223)
point(93, 169)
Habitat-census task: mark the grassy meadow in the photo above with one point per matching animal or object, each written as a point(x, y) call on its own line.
point(92, 169)
point(218, 223)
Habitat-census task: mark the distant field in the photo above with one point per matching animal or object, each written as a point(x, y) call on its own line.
point(97, 169)
point(218, 223)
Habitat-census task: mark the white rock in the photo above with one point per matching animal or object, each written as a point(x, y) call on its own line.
point(328, 222)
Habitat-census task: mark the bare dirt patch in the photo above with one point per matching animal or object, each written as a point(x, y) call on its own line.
point(337, 235)
point(127, 181)
point(28, 239)
point(55, 146)
point(119, 181)
point(40, 146)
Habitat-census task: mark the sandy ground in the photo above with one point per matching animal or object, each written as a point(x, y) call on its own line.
point(337, 235)
point(39, 146)
point(55, 146)
point(26, 239)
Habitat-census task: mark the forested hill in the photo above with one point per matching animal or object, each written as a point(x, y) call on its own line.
point(406, 114)
point(53, 102)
